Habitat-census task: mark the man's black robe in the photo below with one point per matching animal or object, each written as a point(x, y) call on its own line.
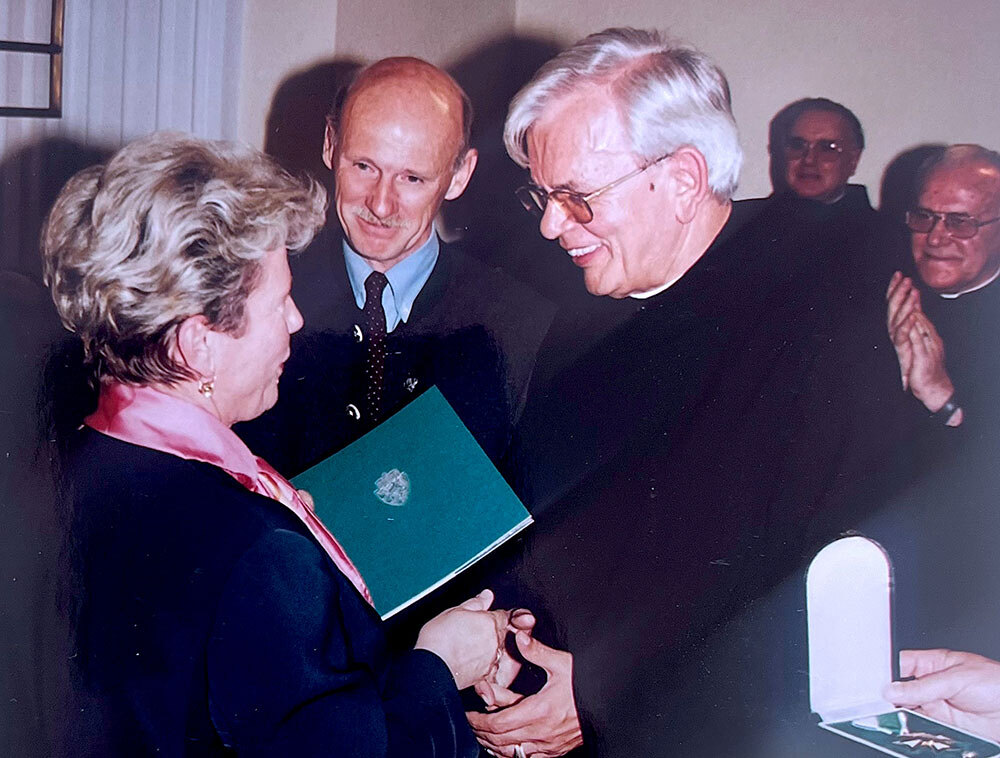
point(675, 464)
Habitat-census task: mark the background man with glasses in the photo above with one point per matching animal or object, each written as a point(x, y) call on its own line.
point(815, 145)
point(829, 230)
point(944, 326)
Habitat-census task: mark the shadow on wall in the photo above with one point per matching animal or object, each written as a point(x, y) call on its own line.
point(297, 118)
point(30, 179)
point(779, 126)
point(488, 214)
point(488, 218)
point(898, 192)
point(33, 630)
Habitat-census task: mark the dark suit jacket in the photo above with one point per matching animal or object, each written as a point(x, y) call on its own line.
point(473, 331)
point(208, 617)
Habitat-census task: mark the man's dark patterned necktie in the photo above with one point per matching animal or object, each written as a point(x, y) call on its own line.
point(373, 324)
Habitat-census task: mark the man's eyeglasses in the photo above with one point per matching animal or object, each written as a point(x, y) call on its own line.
point(959, 225)
point(576, 206)
point(825, 150)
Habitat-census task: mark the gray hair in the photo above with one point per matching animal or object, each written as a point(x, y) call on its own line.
point(955, 155)
point(170, 227)
point(669, 95)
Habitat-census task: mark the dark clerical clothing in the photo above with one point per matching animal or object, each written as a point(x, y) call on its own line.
point(968, 326)
point(472, 331)
point(675, 464)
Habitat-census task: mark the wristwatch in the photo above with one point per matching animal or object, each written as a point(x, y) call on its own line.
point(947, 410)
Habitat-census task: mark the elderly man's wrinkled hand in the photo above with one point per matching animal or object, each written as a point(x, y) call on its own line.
point(903, 300)
point(928, 377)
point(543, 725)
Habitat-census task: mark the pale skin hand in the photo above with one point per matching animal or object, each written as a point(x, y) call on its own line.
point(307, 499)
point(919, 347)
point(929, 378)
point(467, 638)
point(902, 298)
point(957, 688)
point(494, 689)
point(545, 724)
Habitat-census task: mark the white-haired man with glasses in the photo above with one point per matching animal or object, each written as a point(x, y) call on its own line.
point(943, 326)
point(652, 454)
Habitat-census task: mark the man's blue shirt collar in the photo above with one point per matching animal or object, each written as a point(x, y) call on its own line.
point(406, 279)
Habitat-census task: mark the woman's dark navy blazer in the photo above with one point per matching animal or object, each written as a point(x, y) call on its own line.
point(208, 620)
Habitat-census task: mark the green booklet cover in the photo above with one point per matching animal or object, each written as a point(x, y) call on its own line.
point(414, 502)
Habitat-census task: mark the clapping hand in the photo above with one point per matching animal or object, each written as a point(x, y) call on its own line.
point(919, 347)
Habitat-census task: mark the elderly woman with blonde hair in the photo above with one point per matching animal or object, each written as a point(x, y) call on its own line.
point(213, 611)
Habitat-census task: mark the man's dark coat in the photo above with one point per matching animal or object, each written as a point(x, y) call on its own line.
point(473, 331)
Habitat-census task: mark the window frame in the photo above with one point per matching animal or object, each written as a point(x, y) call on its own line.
point(54, 50)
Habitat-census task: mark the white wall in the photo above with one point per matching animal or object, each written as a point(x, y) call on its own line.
point(913, 71)
point(136, 65)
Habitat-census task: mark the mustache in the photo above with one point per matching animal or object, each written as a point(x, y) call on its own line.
point(390, 222)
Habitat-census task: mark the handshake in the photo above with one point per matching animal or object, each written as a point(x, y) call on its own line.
point(471, 640)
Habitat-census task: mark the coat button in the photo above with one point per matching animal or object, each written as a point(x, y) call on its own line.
point(410, 383)
point(358, 334)
point(353, 412)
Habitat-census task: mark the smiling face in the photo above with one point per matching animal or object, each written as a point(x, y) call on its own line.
point(812, 177)
point(394, 160)
point(248, 366)
point(579, 144)
point(950, 265)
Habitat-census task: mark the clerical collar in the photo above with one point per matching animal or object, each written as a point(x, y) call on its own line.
point(953, 295)
point(837, 199)
point(406, 279)
point(720, 236)
point(656, 290)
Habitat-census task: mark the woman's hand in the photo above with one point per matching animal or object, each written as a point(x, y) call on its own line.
point(469, 638)
point(494, 689)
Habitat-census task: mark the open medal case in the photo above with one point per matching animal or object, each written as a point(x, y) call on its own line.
point(852, 658)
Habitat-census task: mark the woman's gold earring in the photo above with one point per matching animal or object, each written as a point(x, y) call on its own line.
point(206, 387)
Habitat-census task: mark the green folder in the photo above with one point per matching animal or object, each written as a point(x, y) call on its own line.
point(414, 502)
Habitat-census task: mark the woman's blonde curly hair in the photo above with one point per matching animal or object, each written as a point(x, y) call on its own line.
point(171, 227)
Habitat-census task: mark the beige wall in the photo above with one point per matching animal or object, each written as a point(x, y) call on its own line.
point(440, 31)
point(910, 77)
point(914, 71)
point(279, 38)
